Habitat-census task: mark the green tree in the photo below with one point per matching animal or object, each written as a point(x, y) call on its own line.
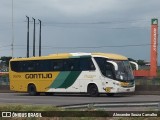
point(141, 62)
point(5, 60)
point(131, 59)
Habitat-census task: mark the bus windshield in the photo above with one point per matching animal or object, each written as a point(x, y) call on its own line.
point(115, 69)
point(124, 71)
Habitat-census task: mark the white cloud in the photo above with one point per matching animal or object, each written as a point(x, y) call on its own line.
point(79, 11)
point(81, 7)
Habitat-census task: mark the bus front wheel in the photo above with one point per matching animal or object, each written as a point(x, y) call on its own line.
point(93, 90)
point(32, 90)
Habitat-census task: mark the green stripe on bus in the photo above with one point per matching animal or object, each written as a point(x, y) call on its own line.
point(60, 79)
point(70, 79)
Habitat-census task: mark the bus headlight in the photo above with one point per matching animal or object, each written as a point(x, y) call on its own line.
point(124, 84)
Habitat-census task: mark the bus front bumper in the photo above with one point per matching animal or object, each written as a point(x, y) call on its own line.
point(119, 89)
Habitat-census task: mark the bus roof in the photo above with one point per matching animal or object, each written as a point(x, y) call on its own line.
point(74, 55)
point(110, 56)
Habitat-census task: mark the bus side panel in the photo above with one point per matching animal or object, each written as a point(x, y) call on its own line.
point(42, 81)
point(89, 77)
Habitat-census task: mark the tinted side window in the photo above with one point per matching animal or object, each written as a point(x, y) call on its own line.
point(23, 66)
point(101, 63)
point(57, 65)
point(42, 65)
point(15, 66)
point(105, 67)
point(29, 66)
point(86, 64)
point(109, 70)
point(73, 64)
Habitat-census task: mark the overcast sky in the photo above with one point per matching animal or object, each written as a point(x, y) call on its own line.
point(112, 26)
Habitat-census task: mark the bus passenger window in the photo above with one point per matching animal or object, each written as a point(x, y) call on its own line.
point(86, 64)
point(67, 65)
point(23, 66)
point(107, 69)
point(16, 66)
point(30, 66)
point(57, 65)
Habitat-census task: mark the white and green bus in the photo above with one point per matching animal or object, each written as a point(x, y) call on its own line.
point(91, 73)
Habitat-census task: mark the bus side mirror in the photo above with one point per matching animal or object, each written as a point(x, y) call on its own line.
point(134, 65)
point(114, 64)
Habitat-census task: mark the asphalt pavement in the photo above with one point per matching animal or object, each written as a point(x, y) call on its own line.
point(61, 99)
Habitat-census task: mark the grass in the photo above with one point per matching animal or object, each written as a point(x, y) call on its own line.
point(20, 107)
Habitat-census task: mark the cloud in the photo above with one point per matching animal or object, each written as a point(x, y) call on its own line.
point(80, 7)
point(120, 12)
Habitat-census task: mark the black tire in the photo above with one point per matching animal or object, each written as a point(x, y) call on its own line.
point(93, 90)
point(32, 90)
point(110, 94)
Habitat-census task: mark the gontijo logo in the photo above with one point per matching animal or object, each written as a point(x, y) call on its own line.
point(35, 76)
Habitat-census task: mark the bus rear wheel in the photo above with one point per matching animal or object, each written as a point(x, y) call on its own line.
point(93, 90)
point(32, 90)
